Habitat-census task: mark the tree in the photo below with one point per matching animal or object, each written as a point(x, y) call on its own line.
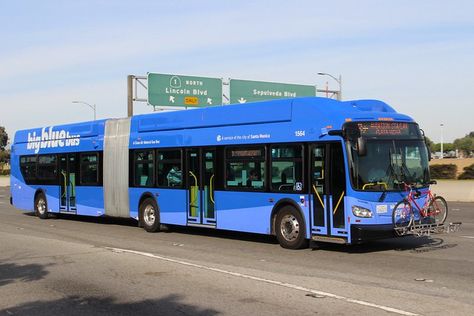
point(430, 144)
point(446, 147)
point(3, 138)
point(466, 144)
point(4, 157)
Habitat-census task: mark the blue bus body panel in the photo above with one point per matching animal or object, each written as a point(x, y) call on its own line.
point(256, 123)
point(171, 202)
point(89, 200)
point(70, 138)
point(215, 116)
point(87, 136)
point(251, 212)
point(23, 195)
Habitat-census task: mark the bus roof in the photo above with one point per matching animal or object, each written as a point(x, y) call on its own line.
point(314, 112)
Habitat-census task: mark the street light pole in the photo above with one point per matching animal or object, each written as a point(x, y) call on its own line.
point(89, 105)
point(442, 153)
point(339, 81)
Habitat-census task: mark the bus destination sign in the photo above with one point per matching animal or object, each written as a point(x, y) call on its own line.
point(373, 129)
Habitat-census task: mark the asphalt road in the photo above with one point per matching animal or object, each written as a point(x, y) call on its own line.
point(91, 266)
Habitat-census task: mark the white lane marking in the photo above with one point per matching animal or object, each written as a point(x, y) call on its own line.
point(470, 237)
point(250, 277)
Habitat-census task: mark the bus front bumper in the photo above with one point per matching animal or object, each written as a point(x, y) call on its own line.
point(363, 233)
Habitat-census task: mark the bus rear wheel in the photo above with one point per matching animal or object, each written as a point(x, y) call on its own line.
point(290, 229)
point(149, 215)
point(41, 206)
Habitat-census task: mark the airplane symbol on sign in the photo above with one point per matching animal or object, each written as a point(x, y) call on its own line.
point(242, 100)
point(171, 99)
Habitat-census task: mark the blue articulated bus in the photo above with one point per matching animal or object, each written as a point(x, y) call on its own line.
point(305, 169)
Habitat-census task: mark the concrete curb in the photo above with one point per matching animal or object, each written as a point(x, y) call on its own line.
point(455, 190)
point(4, 181)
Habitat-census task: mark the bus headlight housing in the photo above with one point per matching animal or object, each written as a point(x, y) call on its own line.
point(361, 211)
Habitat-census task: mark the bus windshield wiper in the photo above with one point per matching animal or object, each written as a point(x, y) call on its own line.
point(383, 195)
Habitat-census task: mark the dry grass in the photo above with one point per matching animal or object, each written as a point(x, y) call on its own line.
point(461, 163)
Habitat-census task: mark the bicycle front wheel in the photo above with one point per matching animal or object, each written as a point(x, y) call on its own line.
point(438, 210)
point(402, 217)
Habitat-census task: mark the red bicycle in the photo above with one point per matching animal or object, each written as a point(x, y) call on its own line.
point(433, 211)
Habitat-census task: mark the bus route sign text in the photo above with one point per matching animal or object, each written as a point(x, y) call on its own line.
point(178, 90)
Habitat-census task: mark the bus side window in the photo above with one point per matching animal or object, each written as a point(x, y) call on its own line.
point(144, 165)
point(89, 170)
point(287, 168)
point(245, 168)
point(318, 169)
point(28, 168)
point(169, 168)
point(47, 169)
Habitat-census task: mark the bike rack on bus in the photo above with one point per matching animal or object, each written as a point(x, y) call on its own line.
point(420, 230)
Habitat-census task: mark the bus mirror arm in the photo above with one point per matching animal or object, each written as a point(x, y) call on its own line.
point(361, 146)
point(428, 149)
point(335, 132)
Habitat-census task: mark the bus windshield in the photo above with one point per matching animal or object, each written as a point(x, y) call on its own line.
point(389, 161)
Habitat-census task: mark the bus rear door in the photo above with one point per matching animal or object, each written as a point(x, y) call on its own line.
point(201, 168)
point(67, 174)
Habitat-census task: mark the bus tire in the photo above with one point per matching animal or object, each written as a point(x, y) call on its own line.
point(290, 228)
point(41, 206)
point(150, 215)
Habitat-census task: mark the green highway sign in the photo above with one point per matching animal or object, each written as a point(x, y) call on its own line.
point(177, 90)
point(243, 91)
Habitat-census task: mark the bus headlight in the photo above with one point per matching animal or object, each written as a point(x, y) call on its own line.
point(361, 212)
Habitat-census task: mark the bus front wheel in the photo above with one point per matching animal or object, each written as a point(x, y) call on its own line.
point(41, 206)
point(149, 215)
point(290, 229)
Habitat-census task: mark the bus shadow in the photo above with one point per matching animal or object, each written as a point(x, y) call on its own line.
point(90, 219)
point(185, 230)
point(409, 244)
point(224, 234)
point(82, 305)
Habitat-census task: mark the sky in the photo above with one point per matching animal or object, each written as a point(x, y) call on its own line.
point(418, 56)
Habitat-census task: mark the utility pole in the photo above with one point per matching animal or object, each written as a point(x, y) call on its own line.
point(442, 153)
point(92, 106)
point(130, 95)
point(339, 81)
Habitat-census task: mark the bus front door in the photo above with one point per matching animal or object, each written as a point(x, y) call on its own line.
point(328, 185)
point(201, 167)
point(67, 174)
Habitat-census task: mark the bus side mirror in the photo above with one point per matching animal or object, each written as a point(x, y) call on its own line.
point(361, 146)
point(428, 149)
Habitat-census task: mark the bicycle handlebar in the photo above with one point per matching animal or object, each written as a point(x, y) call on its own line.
point(412, 186)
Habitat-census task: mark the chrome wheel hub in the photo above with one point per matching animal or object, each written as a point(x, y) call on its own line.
point(149, 215)
point(41, 206)
point(290, 227)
